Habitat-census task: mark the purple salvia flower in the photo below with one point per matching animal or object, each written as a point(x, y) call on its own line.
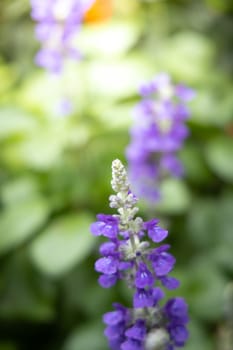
point(106, 226)
point(143, 278)
point(58, 22)
point(157, 134)
point(155, 232)
point(137, 331)
point(143, 298)
point(132, 253)
point(107, 265)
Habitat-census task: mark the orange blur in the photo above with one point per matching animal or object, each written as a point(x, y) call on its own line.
point(100, 11)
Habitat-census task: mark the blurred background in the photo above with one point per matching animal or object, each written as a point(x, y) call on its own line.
point(55, 169)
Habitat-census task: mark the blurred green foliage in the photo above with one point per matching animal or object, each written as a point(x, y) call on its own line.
point(55, 170)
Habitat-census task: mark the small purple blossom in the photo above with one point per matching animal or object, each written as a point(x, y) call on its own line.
point(107, 265)
point(132, 253)
point(144, 277)
point(155, 232)
point(137, 331)
point(157, 134)
point(143, 298)
point(106, 226)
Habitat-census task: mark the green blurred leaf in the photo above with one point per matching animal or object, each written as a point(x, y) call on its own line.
point(195, 166)
point(115, 116)
point(19, 190)
point(175, 197)
point(210, 223)
point(218, 153)
point(112, 79)
point(199, 338)
point(119, 36)
point(43, 92)
point(23, 294)
point(20, 221)
point(14, 121)
point(87, 337)
point(203, 284)
point(40, 150)
point(66, 242)
point(8, 346)
point(187, 55)
point(212, 108)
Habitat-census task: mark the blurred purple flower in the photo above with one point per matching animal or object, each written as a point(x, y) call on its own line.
point(157, 134)
point(58, 22)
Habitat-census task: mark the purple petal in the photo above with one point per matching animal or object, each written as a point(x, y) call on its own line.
point(131, 344)
point(170, 282)
point(179, 334)
point(108, 248)
point(144, 277)
point(107, 265)
point(138, 331)
point(113, 318)
point(184, 93)
point(143, 298)
point(107, 281)
point(163, 264)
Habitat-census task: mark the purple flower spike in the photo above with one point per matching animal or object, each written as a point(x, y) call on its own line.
point(131, 255)
point(158, 132)
point(58, 22)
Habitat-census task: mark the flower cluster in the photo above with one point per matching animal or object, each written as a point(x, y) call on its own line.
point(58, 22)
point(157, 134)
point(128, 254)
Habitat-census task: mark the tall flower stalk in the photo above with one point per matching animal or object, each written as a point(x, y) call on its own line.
point(58, 22)
point(158, 132)
point(132, 253)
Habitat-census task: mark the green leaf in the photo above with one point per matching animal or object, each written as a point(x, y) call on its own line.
point(8, 346)
point(25, 295)
point(87, 337)
point(205, 286)
point(40, 150)
point(15, 122)
point(175, 197)
point(210, 224)
point(19, 222)
point(114, 116)
point(119, 36)
point(111, 79)
point(19, 190)
point(208, 108)
point(199, 338)
point(196, 169)
point(66, 242)
point(218, 153)
point(186, 55)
